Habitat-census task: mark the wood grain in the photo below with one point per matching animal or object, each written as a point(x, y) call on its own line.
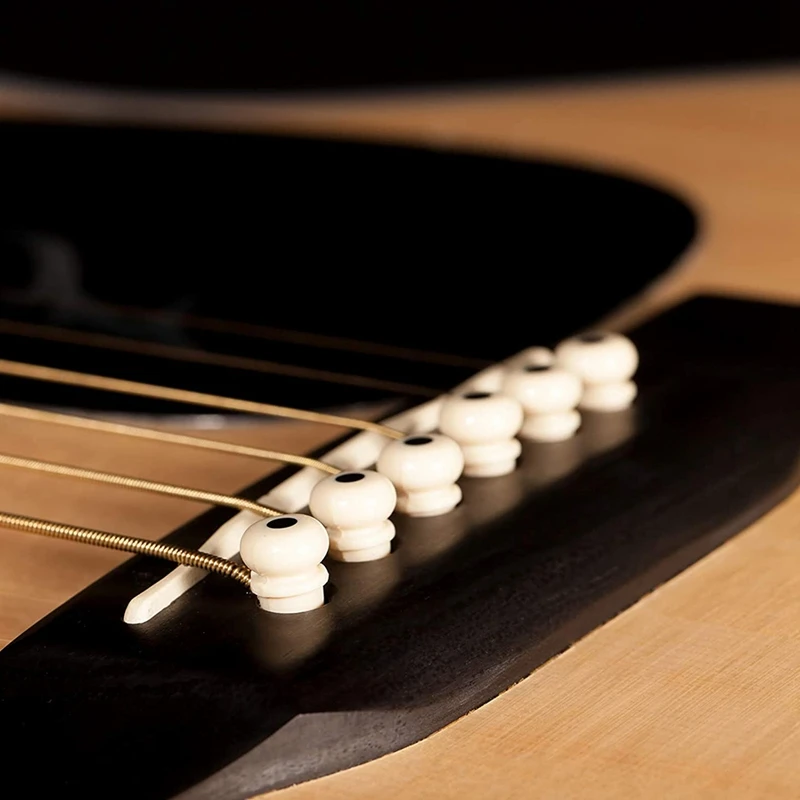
point(691, 693)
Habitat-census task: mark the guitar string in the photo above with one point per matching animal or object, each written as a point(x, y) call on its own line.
point(179, 353)
point(167, 437)
point(129, 544)
point(140, 484)
point(304, 338)
point(327, 342)
point(85, 380)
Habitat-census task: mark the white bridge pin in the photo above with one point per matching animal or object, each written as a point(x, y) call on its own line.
point(605, 362)
point(484, 424)
point(424, 469)
point(285, 555)
point(355, 508)
point(548, 396)
point(540, 356)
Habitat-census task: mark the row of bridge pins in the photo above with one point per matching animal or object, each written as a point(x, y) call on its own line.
point(540, 393)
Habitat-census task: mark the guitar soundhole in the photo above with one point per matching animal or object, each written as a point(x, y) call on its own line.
point(178, 270)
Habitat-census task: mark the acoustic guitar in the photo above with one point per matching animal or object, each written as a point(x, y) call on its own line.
point(667, 663)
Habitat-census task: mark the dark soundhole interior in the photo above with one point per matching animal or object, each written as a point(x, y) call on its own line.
point(151, 248)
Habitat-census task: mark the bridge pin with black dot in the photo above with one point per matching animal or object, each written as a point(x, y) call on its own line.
point(355, 508)
point(424, 469)
point(605, 362)
point(285, 556)
point(549, 396)
point(485, 425)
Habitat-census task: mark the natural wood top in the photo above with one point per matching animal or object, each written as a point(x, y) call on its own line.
point(693, 692)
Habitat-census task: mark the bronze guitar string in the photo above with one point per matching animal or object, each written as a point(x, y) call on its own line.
point(140, 484)
point(129, 544)
point(193, 355)
point(135, 431)
point(321, 341)
point(83, 380)
point(328, 342)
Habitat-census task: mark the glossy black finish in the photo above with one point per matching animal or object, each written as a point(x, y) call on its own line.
point(214, 699)
point(348, 239)
point(316, 45)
